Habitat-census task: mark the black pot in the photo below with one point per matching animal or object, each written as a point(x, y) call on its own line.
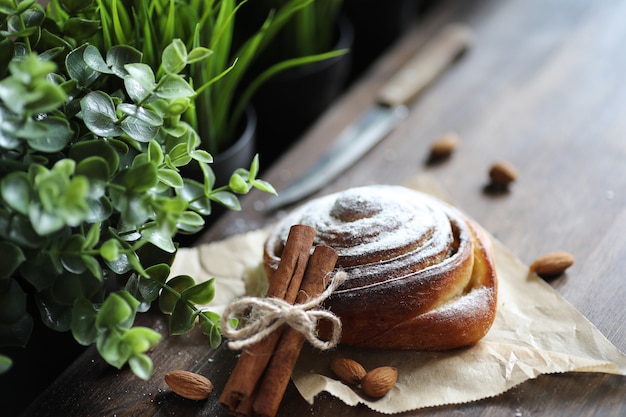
point(377, 25)
point(238, 155)
point(290, 102)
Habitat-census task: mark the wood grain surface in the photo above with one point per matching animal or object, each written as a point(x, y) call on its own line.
point(544, 88)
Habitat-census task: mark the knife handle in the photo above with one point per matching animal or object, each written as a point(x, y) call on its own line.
point(430, 61)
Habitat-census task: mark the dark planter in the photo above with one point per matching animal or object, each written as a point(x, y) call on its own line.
point(290, 102)
point(377, 25)
point(239, 155)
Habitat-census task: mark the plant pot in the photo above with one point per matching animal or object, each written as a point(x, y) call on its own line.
point(376, 27)
point(291, 101)
point(238, 155)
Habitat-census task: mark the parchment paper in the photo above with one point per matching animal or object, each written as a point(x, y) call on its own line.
point(535, 332)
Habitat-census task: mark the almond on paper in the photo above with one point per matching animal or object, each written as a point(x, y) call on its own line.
point(189, 385)
point(378, 382)
point(552, 264)
point(349, 371)
point(502, 174)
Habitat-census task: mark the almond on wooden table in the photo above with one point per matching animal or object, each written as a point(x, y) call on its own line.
point(502, 174)
point(552, 264)
point(189, 385)
point(444, 146)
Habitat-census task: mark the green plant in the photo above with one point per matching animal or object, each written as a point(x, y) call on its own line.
point(311, 30)
point(91, 194)
point(223, 81)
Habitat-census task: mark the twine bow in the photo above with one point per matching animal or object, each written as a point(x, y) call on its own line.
point(271, 313)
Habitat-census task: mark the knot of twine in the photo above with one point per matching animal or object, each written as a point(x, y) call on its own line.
point(271, 313)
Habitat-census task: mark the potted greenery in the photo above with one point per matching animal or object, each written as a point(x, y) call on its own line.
point(223, 81)
point(92, 143)
point(291, 101)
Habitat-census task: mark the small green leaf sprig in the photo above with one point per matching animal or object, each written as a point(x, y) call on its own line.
point(91, 192)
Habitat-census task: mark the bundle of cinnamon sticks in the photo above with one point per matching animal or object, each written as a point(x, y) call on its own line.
point(262, 373)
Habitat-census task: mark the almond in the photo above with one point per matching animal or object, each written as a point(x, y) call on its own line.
point(502, 174)
point(349, 371)
point(443, 146)
point(189, 385)
point(378, 382)
point(552, 264)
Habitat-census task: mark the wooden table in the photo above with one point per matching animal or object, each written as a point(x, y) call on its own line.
point(544, 87)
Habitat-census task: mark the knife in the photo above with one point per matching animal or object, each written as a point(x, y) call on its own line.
point(389, 109)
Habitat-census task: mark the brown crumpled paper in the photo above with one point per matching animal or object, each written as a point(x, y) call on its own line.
point(535, 332)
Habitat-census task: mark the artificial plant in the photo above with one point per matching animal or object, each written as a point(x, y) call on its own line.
point(92, 140)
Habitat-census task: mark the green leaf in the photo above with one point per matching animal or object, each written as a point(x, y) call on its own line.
point(12, 258)
point(44, 222)
point(228, 200)
point(95, 168)
point(57, 316)
point(94, 60)
point(58, 135)
point(74, 6)
point(178, 155)
point(141, 365)
point(120, 55)
point(210, 326)
point(141, 339)
point(178, 284)
point(201, 156)
point(90, 148)
point(12, 301)
point(144, 114)
point(16, 191)
point(198, 54)
point(193, 192)
point(92, 237)
point(238, 184)
point(150, 288)
point(174, 57)
point(114, 310)
point(173, 87)
point(190, 221)
point(264, 186)
point(202, 293)
point(182, 319)
point(159, 238)
point(78, 69)
point(142, 74)
point(141, 178)
point(155, 153)
point(110, 249)
point(170, 178)
point(17, 333)
point(99, 115)
point(112, 349)
point(5, 363)
point(139, 130)
point(83, 325)
point(79, 28)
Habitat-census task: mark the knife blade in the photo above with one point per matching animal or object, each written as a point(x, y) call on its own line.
point(383, 116)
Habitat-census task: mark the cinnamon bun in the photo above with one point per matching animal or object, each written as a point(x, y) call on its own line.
point(421, 275)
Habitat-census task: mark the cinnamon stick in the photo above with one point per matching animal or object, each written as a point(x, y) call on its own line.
point(284, 284)
point(278, 372)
